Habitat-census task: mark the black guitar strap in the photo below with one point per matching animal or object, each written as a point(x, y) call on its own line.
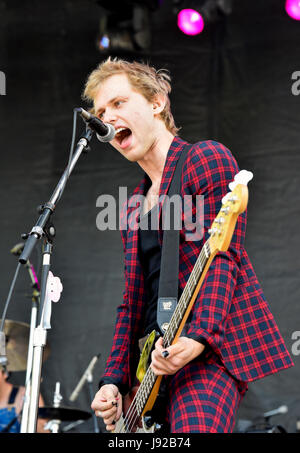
point(169, 269)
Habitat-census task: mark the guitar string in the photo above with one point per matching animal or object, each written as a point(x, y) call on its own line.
point(130, 418)
point(132, 407)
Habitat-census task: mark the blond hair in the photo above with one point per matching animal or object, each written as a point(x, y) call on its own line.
point(145, 79)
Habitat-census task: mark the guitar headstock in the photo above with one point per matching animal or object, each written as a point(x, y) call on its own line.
point(233, 204)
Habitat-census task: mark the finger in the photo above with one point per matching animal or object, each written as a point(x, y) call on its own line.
point(157, 371)
point(165, 352)
point(110, 420)
point(159, 343)
point(172, 350)
point(107, 414)
point(159, 348)
point(111, 427)
point(100, 405)
point(105, 406)
point(109, 394)
point(119, 410)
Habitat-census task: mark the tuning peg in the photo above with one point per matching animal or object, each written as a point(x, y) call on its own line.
point(225, 209)
point(226, 198)
point(213, 231)
point(233, 199)
point(220, 220)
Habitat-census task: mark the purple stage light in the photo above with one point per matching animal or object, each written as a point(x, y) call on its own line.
point(190, 22)
point(292, 7)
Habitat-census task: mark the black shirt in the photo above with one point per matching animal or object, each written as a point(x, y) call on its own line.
point(150, 257)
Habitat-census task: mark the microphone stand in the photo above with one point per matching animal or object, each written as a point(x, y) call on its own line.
point(34, 312)
point(43, 227)
point(87, 377)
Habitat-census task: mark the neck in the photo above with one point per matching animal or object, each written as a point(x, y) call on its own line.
point(154, 159)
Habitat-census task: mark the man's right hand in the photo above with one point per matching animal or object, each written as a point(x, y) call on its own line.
point(108, 405)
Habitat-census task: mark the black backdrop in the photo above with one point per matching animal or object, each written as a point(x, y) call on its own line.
point(231, 85)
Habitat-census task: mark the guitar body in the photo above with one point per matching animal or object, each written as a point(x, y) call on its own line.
point(151, 418)
point(134, 423)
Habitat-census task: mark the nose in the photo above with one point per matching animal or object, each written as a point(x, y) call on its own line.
point(109, 116)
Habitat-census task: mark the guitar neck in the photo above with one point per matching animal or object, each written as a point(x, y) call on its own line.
point(175, 323)
point(186, 296)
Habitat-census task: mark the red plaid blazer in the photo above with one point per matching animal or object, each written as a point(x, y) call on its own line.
point(230, 312)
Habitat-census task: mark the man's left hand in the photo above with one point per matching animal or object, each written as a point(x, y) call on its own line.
point(176, 356)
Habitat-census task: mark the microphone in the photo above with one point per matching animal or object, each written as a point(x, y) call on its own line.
point(87, 376)
point(279, 410)
point(105, 132)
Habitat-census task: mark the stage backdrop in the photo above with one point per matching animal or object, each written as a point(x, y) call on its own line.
point(232, 84)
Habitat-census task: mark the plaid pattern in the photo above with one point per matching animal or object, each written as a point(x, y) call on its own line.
point(230, 312)
point(203, 398)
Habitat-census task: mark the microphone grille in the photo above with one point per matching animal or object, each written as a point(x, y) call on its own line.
point(111, 132)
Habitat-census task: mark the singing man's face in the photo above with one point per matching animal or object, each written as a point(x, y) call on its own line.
point(119, 104)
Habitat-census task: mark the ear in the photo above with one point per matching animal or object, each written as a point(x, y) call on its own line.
point(158, 104)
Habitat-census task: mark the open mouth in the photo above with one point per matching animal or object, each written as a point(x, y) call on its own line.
point(123, 135)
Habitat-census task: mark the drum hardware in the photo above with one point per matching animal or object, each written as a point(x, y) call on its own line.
point(17, 338)
point(262, 423)
point(58, 413)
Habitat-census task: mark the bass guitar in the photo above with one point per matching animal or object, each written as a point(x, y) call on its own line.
point(140, 401)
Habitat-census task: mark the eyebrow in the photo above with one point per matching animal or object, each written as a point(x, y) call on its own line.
point(111, 101)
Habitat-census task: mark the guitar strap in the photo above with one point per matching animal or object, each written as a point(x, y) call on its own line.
point(169, 268)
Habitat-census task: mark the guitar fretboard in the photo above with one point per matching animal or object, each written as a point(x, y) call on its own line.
point(149, 380)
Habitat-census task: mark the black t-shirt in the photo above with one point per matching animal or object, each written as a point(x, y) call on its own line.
point(150, 257)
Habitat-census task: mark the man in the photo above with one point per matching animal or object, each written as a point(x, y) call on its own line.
point(231, 337)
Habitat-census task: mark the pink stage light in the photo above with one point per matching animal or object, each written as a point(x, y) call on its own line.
point(190, 22)
point(292, 7)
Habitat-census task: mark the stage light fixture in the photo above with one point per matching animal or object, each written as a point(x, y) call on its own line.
point(292, 7)
point(192, 15)
point(190, 21)
point(126, 25)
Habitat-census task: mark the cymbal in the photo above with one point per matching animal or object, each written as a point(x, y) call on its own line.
point(64, 414)
point(17, 340)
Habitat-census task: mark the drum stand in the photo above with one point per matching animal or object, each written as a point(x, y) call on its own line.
point(53, 425)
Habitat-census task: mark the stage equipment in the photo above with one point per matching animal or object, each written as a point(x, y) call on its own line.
point(262, 423)
point(58, 414)
point(105, 132)
point(51, 286)
point(87, 377)
point(190, 21)
point(292, 7)
point(126, 25)
point(17, 339)
point(192, 15)
point(17, 250)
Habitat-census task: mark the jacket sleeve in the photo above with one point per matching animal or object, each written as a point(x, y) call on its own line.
point(210, 168)
point(117, 368)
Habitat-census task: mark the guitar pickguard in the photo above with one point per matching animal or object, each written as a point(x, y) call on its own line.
point(145, 355)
